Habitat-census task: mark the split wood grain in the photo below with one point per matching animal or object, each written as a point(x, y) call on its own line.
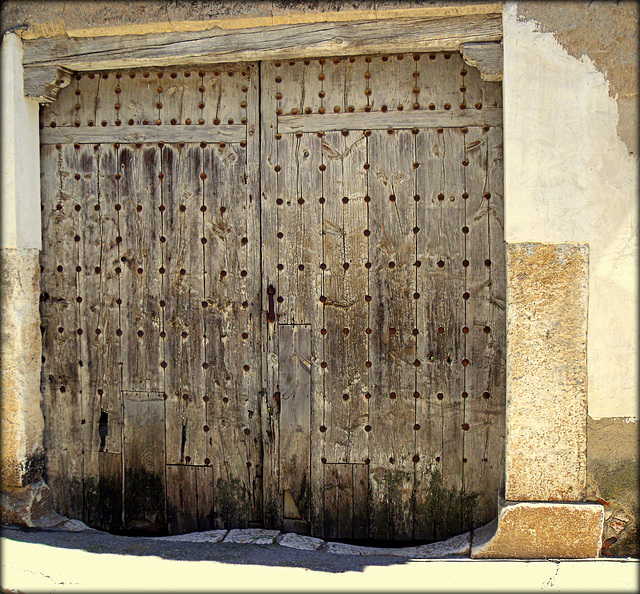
point(270, 402)
point(181, 274)
point(262, 43)
point(392, 345)
point(139, 191)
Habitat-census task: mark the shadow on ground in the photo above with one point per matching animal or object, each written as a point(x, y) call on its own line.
point(271, 555)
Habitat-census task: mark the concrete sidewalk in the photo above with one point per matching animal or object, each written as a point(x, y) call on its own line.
point(35, 560)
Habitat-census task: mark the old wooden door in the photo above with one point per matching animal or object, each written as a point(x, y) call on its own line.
point(151, 298)
point(298, 324)
point(382, 243)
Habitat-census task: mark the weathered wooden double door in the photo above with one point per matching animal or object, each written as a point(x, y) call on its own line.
point(273, 295)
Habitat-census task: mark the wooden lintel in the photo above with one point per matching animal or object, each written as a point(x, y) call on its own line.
point(491, 116)
point(257, 43)
point(150, 133)
point(487, 57)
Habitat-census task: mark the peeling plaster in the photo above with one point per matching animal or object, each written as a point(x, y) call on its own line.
point(570, 178)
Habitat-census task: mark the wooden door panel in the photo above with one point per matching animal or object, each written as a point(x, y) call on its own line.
point(401, 359)
point(157, 293)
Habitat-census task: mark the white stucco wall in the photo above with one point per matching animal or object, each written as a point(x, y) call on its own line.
point(20, 154)
point(569, 178)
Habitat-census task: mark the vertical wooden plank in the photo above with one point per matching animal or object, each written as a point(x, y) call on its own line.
point(391, 82)
point(360, 501)
point(141, 258)
point(477, 283)
point(108, 99)
point(233, 365)
point(431, 283)
point(221, 101)
point(355, 96)
point(176, 92)
point(345, 291)
point(338, 504)
point(345, 506)
point(104, 314)
point(250, 246)
point(110, 491)
point(484, 440)
point(182, 301)
point(295, 418)
point(63, 433)
point(451, 351)
point(102, 232)
point(334, 81)
point(182, 499)
point(289, 213)
point(270, 404)
point(440, 81)
point(144, 462)
point(392, 344)
point(88, 269)
point(204, 485)
point(137, 97)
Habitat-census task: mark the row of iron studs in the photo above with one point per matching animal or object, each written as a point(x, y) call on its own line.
point(367, 91)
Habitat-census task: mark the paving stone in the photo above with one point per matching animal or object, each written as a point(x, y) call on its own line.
point(206, 536)
point(252, 536)
point(304, 543)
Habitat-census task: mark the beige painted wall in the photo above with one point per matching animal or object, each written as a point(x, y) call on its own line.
point(569, 177)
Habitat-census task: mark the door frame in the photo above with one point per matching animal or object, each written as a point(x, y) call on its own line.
point(28, 82)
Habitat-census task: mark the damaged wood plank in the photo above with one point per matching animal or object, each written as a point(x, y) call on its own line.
point(345, 290)
point(182, 291)
point(140, 219)
point(392, 343)
point(61, 384)
point(232, 376)
point(295, 418)
point(144, 461)
point(110, 491)
point(270, 398)
point(182, 499)
point(251, 253)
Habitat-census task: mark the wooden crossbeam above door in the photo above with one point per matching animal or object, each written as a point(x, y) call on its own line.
point(45, 59)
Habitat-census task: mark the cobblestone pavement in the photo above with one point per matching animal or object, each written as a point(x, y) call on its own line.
point(76, 558)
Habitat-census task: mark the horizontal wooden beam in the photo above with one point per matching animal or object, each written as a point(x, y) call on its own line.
point(491, 116)
point(256, 43)
point(133, 134)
